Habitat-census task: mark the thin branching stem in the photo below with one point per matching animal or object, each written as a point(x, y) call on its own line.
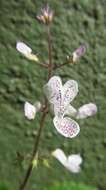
point(35, 150)
point(62, 65)
point(50, 68)
point(42, 64)
point(42, 121)
point(59, 66)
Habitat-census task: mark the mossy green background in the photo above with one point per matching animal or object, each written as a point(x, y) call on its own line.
point(75, 23)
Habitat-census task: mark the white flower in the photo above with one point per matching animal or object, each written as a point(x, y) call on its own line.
point(78, 53)
point(72, 162)
point(60, 97)
point(26, 51)
point(58, 93)
point(86, 111)
point(30, 110)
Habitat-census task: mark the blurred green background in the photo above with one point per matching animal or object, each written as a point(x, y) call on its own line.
point(75, 22)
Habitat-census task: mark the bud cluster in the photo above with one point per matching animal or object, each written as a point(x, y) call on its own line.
point(46, 16)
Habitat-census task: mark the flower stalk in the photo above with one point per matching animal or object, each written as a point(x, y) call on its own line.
point(35, 150)
point(50, 65)
point(59, 97)
point(43, 117)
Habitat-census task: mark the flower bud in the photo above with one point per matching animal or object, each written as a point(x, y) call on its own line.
point(34, 163)
point(30, 110)
point(46, 163)
point(78, 53)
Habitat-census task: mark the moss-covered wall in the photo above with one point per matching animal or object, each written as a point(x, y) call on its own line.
point(75, 22)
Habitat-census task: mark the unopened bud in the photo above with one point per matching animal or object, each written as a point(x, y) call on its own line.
point(35, 161)
point(29, 110)
point(69, 59)
point(46, 163)
point(78, 53)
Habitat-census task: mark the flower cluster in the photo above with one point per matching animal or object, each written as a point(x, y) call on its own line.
point(60, 97)
point(46, 15)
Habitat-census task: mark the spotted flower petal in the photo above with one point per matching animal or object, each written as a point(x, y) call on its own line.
point(70, 89)
point(53, 90)
point(60, 95)
point(30, 110)
point(86, 111)
point(66, 126)
point(59, 110)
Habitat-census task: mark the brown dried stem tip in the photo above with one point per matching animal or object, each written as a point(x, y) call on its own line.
point(46, 15)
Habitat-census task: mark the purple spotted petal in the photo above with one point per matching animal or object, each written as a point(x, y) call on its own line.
point(59, 109)
point(53, 90)
point(70, 89)
point(66, 126)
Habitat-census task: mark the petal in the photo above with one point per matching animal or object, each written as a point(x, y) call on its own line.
point(75, 159)
point(70, 91)
point(66, 126)
point(71, 111)
point(86, 111)
point(53, 90)
point(73, 163)
point(73, 168)
point(23, 48)
point(57, 110)
point(30, 110)
point(59, 155)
